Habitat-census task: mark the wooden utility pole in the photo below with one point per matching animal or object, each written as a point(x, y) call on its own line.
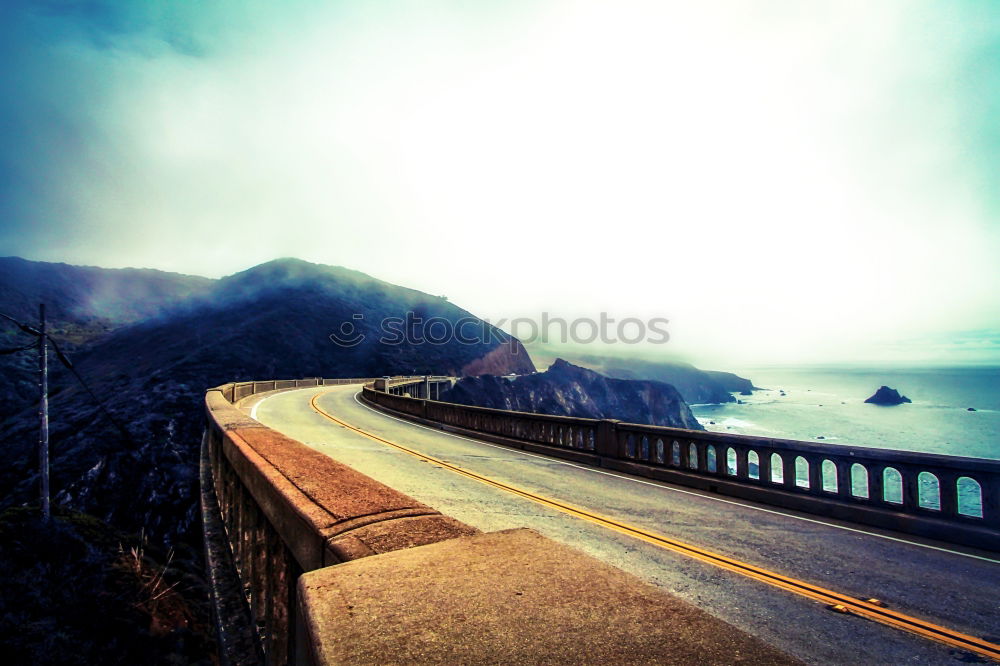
point(43, 416)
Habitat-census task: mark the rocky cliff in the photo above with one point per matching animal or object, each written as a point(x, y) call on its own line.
point(569, 390)
point(696, 386)
point(731, 382)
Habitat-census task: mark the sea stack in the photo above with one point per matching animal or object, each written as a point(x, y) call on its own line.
point(888, 397)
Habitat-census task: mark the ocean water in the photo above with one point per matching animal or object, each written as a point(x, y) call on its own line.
point(827, 405)
point(830, 403)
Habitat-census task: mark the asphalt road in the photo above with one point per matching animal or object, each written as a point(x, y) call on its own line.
point(956, 588)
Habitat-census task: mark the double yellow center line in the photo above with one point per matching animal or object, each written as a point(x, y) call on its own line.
point(870, 609)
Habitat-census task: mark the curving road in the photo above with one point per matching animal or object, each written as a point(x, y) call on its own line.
point(956, 588)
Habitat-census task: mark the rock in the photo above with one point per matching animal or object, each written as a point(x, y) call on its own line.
point(887, 397)
point(971, 409)
point(820, 437)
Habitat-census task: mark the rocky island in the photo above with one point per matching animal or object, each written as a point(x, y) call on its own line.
point(887, 397)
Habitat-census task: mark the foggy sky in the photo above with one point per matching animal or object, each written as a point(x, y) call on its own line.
point(784, 181)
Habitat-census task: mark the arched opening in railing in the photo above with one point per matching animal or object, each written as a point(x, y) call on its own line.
point(777, 469)
point(644, 448)
point(928, 491)
point(753, 465)
point(859, 481)
point(591, 440)
point(828, 472)
point(970, 497)
point(692, 456)
point(661, 453)
point(892, 486)
point(630, 446)
point(710, 458)
point(801, 472)
point(731, 462)
point(675, 454)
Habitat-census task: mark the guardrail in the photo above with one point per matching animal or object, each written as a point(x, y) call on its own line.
point(286, 509)
point(938, 496)
point(427, 386)
point(237, 391)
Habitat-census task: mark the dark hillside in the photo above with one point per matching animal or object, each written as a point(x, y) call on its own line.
point(83, 304)
point(271, 321)
point(150, 349)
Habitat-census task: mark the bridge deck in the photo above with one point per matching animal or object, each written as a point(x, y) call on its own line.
point(932, 581)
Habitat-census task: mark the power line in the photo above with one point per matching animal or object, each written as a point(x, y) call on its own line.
point(14, 350)
point(100, 403)
point(69, 366)
point(23, 327)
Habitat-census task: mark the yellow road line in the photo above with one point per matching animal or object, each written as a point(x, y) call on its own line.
point(844, 602)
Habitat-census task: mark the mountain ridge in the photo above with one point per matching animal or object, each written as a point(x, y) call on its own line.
point(272, 321)
point(697, 386)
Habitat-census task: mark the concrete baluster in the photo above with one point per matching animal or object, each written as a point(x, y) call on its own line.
point(815, 475)
point(764, 464)
point(607, 437)
point(844, 487)
point(684, 460)
point(991, 500)
point(876, 472)
point(911, 486)
point(279, 632)
point(788, 469)
point(742, 462)
point(947, 481)
point(260, 581)
point(702, 449)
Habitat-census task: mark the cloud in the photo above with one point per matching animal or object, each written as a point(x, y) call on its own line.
point(777, 179)
point(146, 28)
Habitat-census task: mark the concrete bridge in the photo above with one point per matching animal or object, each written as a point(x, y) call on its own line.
point(368, 522)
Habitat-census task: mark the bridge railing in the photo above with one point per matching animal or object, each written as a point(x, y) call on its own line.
point(237, 391)
point(286, 509)
point(426, 386)
point(949, 497)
